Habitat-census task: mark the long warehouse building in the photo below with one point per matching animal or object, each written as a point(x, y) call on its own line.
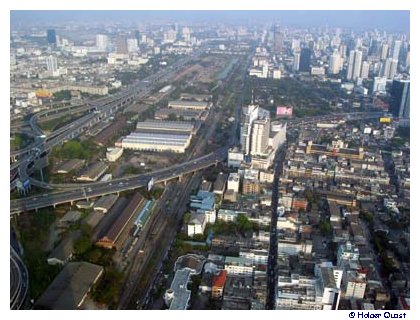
point(165, 126)
point(111, 238)
point(156, 142)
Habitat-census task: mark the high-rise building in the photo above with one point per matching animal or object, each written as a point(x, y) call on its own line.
point(132, 45)
point(136, 35)
point(350, 65)
point(296, 59)
point(389, 68)
point(250, 114)
point(186, 34)
point(260, 136)
point(169, 36)
point(354, 65)
point(379, 84)
point(51, 37)
point(295, 44)
point(400, 95)
point(101, 42)
point(305, 60)
point(121, 44)
point(364, 74)
point(336, 63)
point(52, 65)
point(278, 40)
point(396, 49)
point(384, 51)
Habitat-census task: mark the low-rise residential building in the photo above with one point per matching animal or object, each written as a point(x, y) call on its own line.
point(218, 284)
point(113, 154)
point(197, 224)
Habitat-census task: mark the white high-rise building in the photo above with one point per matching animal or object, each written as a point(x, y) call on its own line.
point(336, 63)
point(389, 68)
point(396, 49)
point(250, 114)
point(354, 65)
point(296, 61)
point(102, 42)
point(52, 64)
point(295, 44)
point(350, 65)
point(384, 51)
point(357, 65)
point(379, 84)
point(260, 136)
point(132, 45)
point(393, 69)
point(365, 70)
point(186, 34)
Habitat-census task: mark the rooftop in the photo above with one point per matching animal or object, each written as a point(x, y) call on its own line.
point(70, 286)
point(166, 125)
point(181, 292)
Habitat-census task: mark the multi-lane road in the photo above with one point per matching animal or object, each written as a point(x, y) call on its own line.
point(19, 280)
point(128, 183)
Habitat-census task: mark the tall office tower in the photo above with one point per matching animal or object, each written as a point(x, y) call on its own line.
point(407, 60)
point(364, 74)
point(250, 114)
point(295, 44)
point(357, 66)
point(350, 65)
point(52, 65)
point(389, 68)
point(296, 59)
point(121, 44)
point(336, 63)
point(136, 35)
point(101, 42)
point(278, 40)
point(379, 84)
point(342, 50)
point(393, 69)
point(354, 65)
point(335, 42)
point(169, 36)
point(305, 60)
point(384, 51)
point(400, 99)
point(51, 37)
point(186, 34)
point(132, 45)
point(374, 48)
point(385, 68)
point(358, 43)
point(260, 136)
point(396, 49)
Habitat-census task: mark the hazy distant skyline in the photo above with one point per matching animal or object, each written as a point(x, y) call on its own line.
point(356, 19)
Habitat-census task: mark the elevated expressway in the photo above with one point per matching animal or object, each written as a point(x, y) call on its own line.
point(19, 281)
point(91, 190)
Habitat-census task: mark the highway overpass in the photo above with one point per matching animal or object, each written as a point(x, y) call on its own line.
point(92, 190)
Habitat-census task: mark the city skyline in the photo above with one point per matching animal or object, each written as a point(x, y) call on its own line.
point(393, 20)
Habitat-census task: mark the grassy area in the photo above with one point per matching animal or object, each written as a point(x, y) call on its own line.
point(62, 95)
point(55, 123)
point(76, 149)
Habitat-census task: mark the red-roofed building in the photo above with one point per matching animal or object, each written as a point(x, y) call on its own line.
point(218, 284)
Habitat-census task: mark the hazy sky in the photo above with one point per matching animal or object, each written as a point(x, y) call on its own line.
point(388, 20)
